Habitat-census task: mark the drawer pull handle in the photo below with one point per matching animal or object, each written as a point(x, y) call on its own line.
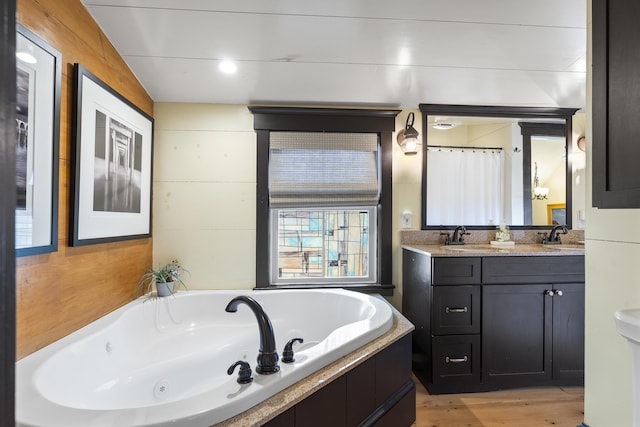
point(455, 359)
point(456, 310)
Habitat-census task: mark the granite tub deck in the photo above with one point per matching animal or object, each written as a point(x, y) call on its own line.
point(270, 408)
point(484, 250)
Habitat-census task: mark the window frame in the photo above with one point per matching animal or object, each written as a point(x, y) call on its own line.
point(301, 119)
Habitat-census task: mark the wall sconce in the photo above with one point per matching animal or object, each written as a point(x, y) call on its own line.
point(539, 193)
point(408, 137)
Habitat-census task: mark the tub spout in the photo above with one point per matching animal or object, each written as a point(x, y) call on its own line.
point(267, 355)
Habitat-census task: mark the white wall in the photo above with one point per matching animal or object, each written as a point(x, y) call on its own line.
point(204, 193)
point(205, 190)
point(613, 282)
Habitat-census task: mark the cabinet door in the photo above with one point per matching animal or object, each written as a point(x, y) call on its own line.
point(616, 108)
point(516, 335)
point(568, 334)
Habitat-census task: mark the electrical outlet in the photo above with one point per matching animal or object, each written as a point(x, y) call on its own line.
point(406, 220)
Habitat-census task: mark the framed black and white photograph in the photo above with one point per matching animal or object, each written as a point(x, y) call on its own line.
point(38, 85)
point(112, 165)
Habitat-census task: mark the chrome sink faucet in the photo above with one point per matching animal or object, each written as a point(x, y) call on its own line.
point(267, 354)
point(554, 235)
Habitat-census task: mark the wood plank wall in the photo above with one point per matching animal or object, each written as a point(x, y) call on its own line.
point(60, 292)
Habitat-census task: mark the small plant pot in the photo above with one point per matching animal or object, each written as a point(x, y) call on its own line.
point(164, 289)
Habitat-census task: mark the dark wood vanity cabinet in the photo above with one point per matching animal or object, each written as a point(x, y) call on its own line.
point(486, 323)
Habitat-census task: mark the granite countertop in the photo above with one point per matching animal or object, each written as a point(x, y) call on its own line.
point(527, 249)
point(280, 402)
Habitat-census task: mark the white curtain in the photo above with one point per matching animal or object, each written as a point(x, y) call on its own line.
point(465, 187)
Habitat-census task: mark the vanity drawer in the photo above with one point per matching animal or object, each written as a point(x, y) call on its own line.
point(533, 269)
point(456, 310)
point(456, 271)
point(456, 360)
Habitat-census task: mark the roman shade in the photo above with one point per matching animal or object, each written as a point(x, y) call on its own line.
point(323, 169)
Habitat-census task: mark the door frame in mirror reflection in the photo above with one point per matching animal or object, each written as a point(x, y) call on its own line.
point(37, 223)
point(529, 114)
point(533, 129)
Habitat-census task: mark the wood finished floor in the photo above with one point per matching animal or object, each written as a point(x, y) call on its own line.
point(531, 407)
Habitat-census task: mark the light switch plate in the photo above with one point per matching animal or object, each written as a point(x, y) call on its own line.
point(407, 220)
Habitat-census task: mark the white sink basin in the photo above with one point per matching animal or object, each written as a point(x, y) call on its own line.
point(628, 323)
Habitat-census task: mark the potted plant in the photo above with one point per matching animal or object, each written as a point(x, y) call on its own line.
point(164, 279)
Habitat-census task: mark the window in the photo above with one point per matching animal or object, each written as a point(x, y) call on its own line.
point(323, 200)
point(317, 181)
point(319, 245)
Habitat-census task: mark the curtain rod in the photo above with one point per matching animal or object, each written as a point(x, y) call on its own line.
point(463, 147)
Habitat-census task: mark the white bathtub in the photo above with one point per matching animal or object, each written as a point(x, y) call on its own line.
point(164, 362)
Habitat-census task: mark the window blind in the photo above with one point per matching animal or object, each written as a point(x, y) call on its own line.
point(323, 169)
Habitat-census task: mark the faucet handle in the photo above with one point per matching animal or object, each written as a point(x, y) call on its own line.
point(244, 374)
point(287, 353)
point(447, 237)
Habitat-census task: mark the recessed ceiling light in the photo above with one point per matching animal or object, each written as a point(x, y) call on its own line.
point(228, 67)
point(26, 57)
point(404, 57)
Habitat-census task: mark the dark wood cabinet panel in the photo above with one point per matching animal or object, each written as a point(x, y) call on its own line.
point(378, 392)
point(456, 362)
point(416, 297)
point(393, 368)
point(539, 269)
point(286, 419)
point(568, 333)
point(325, 407)
point(516, 334)
point(456, 271)
point(616, 103)
point(402, 414)
point(361, 392)
point(456, 310)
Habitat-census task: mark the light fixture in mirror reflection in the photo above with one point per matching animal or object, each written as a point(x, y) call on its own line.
point(505, 145)
point(539, 193)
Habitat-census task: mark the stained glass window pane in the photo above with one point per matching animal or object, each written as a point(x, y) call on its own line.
point(323, 244)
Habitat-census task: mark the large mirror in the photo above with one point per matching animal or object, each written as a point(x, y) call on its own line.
point(484, 166)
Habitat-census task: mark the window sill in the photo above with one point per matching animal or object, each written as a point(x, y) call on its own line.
point(385, 290)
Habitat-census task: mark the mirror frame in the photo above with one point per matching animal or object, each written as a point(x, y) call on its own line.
point(530, 113)
point(53, 144)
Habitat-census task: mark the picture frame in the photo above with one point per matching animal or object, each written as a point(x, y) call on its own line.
point(38, 65)
point(557, 213)
point(112, 165)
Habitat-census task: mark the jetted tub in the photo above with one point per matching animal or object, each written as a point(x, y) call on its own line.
point(164, 361)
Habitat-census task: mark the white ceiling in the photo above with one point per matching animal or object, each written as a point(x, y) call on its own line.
point(354, 52)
